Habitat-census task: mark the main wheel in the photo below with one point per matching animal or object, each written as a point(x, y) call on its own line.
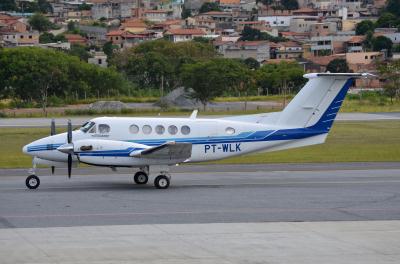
point(141, 177)
point(161, 182)
point(32, 182)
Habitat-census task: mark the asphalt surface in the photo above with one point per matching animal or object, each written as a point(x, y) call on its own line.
point(206, 194)
point(77, 121)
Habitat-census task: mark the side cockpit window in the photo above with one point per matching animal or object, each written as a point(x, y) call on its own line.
point(104, 129)
point(88, 126)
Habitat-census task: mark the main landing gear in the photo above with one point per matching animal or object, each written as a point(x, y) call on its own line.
point(162, 181)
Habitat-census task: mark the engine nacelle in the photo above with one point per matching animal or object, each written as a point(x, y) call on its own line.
point(106, 152)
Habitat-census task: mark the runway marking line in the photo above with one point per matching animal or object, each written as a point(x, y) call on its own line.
point(253, 210)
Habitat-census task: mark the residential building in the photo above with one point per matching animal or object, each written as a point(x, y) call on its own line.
point(258, 50)
point(286, 50)
point(229, 5)
point(16, 39)
point(392, 33)
point(157, 15)
point(94, 35)
point(75, 39)
point(184, 34)
point(111, 9)
point(281, 22)
point(355, 44)
point(98, 58)
point(363, 61)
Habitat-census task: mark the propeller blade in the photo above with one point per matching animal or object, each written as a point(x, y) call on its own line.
point(53, 127)
point(69, 165)
point(69, 132)
point(52, 169)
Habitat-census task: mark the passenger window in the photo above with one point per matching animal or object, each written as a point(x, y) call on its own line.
point(172, 130)
point(160, 129)
point(146, 129)
point(104, 129)
point(185, 130)
point(134, 129)
point(230, 130)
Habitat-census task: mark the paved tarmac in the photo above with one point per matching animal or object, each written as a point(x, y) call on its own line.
point(205, 194)
point(367, 242)
point(77, 121)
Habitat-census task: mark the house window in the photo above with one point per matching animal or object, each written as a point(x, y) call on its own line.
point(134, 129)
point(116, 38)
point(30, 36)
point(21, 36)
point(366, 57)
point(146, 129)
point(104, 129)
point(100, 61)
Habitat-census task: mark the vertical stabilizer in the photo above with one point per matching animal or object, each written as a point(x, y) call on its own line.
point(318, 102)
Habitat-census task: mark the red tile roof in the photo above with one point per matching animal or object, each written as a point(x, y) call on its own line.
point(185, 31)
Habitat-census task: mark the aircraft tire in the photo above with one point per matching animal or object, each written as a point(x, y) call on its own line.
point(32, 182)
point(161, 182)
point(141, 177)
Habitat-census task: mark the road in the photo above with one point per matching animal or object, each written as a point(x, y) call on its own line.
point(206, 194)
point(77, 121)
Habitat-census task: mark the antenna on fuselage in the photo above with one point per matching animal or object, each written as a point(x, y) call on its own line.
point(194, 114)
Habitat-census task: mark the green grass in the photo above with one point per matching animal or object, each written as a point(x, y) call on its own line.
point(348, 142)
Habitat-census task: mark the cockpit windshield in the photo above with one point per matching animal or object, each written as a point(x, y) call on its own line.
point(86, 126)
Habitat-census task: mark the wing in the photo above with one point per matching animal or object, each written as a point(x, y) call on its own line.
point(169, 150)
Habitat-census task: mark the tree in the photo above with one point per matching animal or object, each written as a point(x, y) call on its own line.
point(185, 12)
point(338, 65)
point(252, 63)
point(250, 34)
point(80, 52)
point(8, 5)
point(393, 6)
point(39, 22)
point(71, 26)
point(44, 6)
point(387, 20)
point(280, 78)
point(209, 6)
point(364, 26)
point(380, 43)
point(108, 48)
point(290, 4)
point(391, 73)
point(84, 6)
point(32, 74)
point(205, 80)
point(50, 38)
point(137, 63)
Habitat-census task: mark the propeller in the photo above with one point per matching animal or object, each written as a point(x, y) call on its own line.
point(69, 141)
point(52, 133)
point(68, 148)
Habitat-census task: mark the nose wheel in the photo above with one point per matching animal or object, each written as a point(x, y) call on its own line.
point(32, 181)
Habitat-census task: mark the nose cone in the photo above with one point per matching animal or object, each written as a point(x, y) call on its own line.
point(25, 149)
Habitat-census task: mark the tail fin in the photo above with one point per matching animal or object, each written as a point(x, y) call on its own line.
point(318, 102)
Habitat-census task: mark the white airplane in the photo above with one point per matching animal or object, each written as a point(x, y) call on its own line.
point(157, 143)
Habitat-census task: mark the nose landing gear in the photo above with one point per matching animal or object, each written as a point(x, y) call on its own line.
point(32, 181)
